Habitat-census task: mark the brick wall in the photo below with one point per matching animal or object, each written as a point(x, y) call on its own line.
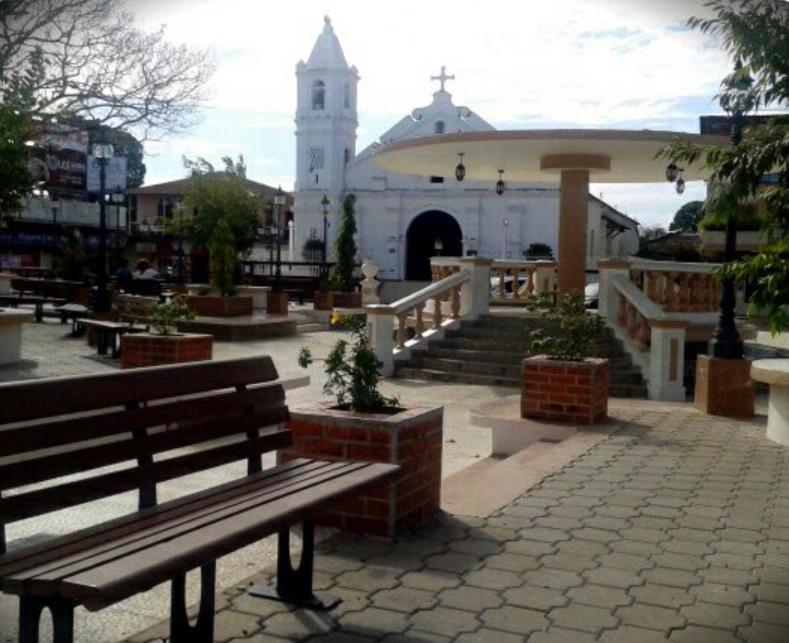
point(413, 439)
point(574, 392)
point(151, 350)
point(211, 306)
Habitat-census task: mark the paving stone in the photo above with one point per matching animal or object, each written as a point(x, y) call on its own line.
point(553, 578)
point(341, 637)
point(599, 596)
point(485, 635)
point(728, 576)
point(690, 547)
point(583, 547)
point(679, 561)
point(558, 522)
point(772, 592)
point(374, 621)
point(299, 624)
point(452, 562)
point(571, 511)
point(644, 534)
point(537, 598)
point(369, 578)
point(774, 613)
point(732, 561)
point(514, 619)
point(650, 616)
point(613, 577)
point(772, 574)
point(444, 621)
point(714, 615)
point(404, 599)
point(582, 617)
point(546, 534)
point(472, 599)
point(512, 562)
point(662, 595)
point(414, 636)
point(561, 635)
point(741, 535)
point(336, 564)
point(699, 634)
point(723, 594)
point(229, 624)
point(629, 634)
point(764, 633)
point(529, 547)
point(492, 578)
point(476, 547)
point(510, 522)
point(431, 580)
point(595, 535)
point(569, 562)
point(629, 562)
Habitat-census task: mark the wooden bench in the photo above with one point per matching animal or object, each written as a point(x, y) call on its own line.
point(72, 312)
point(108, 333)
point(133, 308)
point(153, 425)
point(14, 299)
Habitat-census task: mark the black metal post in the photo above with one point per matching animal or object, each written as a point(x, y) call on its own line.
point(726, 342)
point(102, 303)
point(324, 269)
point(278, 274)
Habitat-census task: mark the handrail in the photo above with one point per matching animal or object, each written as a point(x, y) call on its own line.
point(643, 304)
point(637, 263)
point(434, 289)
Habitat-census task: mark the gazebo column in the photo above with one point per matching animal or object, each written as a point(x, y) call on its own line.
point(573, 213)
point(574, 170)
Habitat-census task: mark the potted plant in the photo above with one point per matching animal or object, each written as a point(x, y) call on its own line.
point(564, 381)
point(225, 222)
point(164, 344)
point(343, 280)
point(363, 424)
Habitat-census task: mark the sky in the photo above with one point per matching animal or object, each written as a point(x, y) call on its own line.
point(520, 64)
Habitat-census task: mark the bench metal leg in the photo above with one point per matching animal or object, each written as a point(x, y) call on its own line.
point(203, 630)
point(101, 342)
point(295, 585)
point(30, 609)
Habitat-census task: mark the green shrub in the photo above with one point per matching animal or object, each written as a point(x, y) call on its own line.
point(164, 317)
point(572, 334)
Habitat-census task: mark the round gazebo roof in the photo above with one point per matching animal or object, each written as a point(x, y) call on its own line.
point(611, 156)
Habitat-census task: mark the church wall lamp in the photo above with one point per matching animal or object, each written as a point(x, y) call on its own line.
point(460, 169)
point(501, 186)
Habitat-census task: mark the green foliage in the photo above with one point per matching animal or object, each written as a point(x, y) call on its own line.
point(342, 276)
point(353, 372)
point(164, 317)
point(226, 216)
point(688, 216)
point(18, 102)
point(756, 35)
point(538, 250)
point(571, 333)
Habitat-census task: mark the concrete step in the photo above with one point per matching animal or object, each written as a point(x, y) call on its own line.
point(458, 341)
point(506, 355)
point(466, 366)
point(409, 372)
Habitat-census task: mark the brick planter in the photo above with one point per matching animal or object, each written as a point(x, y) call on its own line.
point(346, 299)
point(322, 300)
point(151, 350)
point(412, 438)
point(215, 306)
point(558, 391)
point(277, 303)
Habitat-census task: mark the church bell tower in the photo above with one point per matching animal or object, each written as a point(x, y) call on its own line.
point(326, 122)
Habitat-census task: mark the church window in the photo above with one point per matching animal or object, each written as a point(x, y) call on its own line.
point(440, 127)
point(318, 95)
point(347, 95)
point(436, 179)
point(317, 158)
point(347, 155)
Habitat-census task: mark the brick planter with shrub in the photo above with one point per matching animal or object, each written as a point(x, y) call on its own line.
point(412, 438)
point(216, 306)
point(146, 349)
point(565, 391)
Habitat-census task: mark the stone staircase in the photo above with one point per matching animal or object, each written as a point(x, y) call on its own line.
point(490, 350)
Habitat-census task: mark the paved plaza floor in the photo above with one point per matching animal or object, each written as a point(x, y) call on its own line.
point(672, 525)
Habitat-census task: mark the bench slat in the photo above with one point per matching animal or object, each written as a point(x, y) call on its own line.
point(34, 503)
point(104, 532)
point(150, 530)
point(86, 459)
point(29, 400)
point(126, 576)
point(50, 434)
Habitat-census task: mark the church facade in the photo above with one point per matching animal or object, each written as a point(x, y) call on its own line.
point(404, 220)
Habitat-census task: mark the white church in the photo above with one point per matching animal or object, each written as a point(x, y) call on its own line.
point(404, 220)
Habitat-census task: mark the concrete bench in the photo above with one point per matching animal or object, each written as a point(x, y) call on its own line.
point(775, 372)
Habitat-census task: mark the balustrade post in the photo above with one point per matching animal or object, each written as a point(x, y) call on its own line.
point(437, 316)
point(455, 303)
point(607, 299)
point(666, 360)
point(420, 324)
point(475, 293)
point(401, 320)
point(545, 276)
point(380, 328)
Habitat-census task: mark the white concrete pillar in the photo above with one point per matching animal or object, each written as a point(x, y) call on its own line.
point(475, 293)
point(380, 328)
point(666, 361)
point(607, 300)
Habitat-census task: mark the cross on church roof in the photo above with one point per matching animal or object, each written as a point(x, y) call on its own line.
point(442, 77)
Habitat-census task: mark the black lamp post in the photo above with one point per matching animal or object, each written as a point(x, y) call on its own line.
point(325, 207)
point(279, 202)
point(179, 269)
point(102, 151)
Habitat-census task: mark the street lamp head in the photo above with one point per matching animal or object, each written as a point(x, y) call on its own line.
point(672, 172)
point(438, 245)
point(279, 197)
point(460, 169)
point(680, 185)
point(500, 185)
point(506, 223)
point(325, 204)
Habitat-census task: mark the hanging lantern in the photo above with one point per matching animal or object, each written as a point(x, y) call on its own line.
point(672, 172)
point(680, 185)
point(500, 184)
point(460, 169)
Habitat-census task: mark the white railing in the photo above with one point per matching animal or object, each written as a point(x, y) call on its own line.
point(461, 293)
point(654, 307)
point(511, 282)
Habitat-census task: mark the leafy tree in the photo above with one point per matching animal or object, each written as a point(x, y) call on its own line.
point(342, 278)
point(225, 216)
point(538, 250)
point(756, 35)
point(17, 104)
point(99, 66)
point(687, 218)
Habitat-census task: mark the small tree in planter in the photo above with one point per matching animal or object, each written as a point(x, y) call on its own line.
point(361, 423)
point(343, 281)
point(165, 345)
point(565, 381)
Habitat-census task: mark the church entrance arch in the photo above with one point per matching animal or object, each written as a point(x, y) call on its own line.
point(424, 231)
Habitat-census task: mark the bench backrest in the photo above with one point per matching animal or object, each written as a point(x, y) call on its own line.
point(191, 417)
point(133, 305)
